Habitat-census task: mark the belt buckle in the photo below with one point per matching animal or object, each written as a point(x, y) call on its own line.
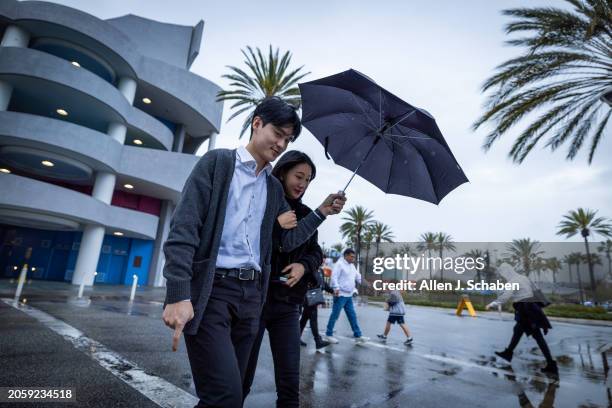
point(242, 274)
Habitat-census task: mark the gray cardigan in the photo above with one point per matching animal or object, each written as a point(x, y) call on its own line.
point(195, 232)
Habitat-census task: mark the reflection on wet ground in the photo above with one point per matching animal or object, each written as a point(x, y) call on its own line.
point(451, 362)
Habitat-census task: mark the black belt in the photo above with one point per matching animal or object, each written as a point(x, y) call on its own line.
point(245, 274)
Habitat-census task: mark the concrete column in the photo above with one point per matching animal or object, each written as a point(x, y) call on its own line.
point(117, 131)
point(13, 37)
point(179, 139)
point(93, 235)
point(127, 86)
point(156, 276)
point(6, 90)
point(104, 186)
point(212, 140)
point(89, 253)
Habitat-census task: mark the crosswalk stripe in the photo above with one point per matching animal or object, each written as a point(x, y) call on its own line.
point(151, 386)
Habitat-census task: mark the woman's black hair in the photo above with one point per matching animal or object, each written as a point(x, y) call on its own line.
point(291, 159)
point(278, 112)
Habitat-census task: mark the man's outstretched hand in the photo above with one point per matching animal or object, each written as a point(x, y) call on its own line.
point(333, 204)
point(175, 316)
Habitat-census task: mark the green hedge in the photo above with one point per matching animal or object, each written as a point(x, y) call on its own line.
point(555, 310)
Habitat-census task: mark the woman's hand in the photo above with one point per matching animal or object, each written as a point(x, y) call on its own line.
point(287, 220)
point(294, 273)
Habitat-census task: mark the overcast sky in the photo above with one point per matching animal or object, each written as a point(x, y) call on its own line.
point(435, 55)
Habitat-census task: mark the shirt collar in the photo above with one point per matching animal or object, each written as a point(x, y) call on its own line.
point(247, 158)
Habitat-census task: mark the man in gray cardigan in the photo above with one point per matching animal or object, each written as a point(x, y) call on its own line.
point(219, 248)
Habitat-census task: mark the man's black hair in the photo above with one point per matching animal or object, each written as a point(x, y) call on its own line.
point(278, 112)
point(348, 251)
point(291, 159)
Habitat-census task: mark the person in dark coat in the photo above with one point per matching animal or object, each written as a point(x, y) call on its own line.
point(310, 312)
point(290, 274)
point(528, 314)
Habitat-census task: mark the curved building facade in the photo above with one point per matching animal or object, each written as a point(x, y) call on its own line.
point(99, 124)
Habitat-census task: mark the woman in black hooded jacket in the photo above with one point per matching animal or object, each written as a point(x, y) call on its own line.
point(289, 280)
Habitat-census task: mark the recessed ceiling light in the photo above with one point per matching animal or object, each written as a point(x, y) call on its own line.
point(146, 100)
point(61, 112)
point(128, 186)
point(137, 141)
point(47, 163)
point(117, 233)
point(33, 268)
point(76, 64)
point(3, 170)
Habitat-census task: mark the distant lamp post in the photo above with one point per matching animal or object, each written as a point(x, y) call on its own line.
point(606, 96)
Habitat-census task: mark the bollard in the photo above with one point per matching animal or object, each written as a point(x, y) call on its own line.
point(82, 286)
point(20, 282)
point(134, 284)
point(22, 275)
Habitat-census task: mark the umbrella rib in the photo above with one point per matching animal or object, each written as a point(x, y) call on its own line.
point(363, 111)
point(435, 193)
point(408, 137)
point(415, 130)
point(380, 107)
point(391, 167)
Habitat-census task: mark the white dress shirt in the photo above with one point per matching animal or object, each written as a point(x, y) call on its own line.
point(246, 205)
point(344, 276)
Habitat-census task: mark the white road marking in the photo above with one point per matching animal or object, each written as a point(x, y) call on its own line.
point(151, 386)
point(455, 361)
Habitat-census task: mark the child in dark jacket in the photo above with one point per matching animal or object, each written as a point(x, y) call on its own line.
point(395, 305)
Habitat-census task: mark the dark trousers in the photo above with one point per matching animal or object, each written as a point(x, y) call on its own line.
point(219, 351)
point(310, 313)
point(537, 335)
point(281, 319)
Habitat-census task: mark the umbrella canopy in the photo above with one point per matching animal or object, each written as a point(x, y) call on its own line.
point(392, 144)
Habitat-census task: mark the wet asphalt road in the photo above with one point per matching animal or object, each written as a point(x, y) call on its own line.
point(450, 363)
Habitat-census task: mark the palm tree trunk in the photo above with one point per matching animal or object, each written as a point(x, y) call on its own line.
point(441, 266)
point(591, 273)
point(429, 263)
point(367, 260)
point(579, 283)
point(569, 265)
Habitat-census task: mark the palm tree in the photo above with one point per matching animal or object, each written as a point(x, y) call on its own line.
point(475, 254)
point(404, 249)
point(381, 232)
point(427, 242)
point(337, 247)
point(357, 220)
point(554, 265)
point(368, 238)
point(264, 77)
point(524, 252)
point(578, 259)
point(569, 261)
point(584, 221)
point(565, 68)
point(443, 241)
point(606, 248)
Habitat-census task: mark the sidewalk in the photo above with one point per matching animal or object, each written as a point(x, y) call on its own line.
point(51, 290)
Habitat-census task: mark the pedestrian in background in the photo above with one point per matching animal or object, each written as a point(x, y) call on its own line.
point(395, 305)
point(528, 314)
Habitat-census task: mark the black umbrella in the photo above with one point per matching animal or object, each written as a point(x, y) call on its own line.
point(392, 144)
